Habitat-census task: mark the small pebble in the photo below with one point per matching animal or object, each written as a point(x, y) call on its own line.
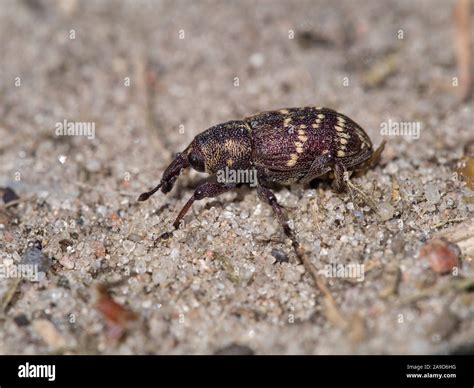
point(432, 194)
point(34, 256)
point(129, 246)
point(135, 237)
point(99, 249)
point(442, 255)
point(443, 327)
point(40, 277)
point(398, 243)
point(21, 320)
point(158, 277)
point(174, 254)
point(291, 274)
point(67, 262)
point(392, 168)
point(385, 211)
point(93, 166)
point(256, 60)
point(146, 304)
point(309, 39)
point(280, 256)
point(49, 333)
point(64, 244)
point(359, 215)
point(9, 195)
point(165, 236)
point(63, 282)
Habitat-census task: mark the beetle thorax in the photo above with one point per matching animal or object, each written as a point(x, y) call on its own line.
point(226, 145)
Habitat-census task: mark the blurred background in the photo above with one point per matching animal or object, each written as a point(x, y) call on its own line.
point(147, 76)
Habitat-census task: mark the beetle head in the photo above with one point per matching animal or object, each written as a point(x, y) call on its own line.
point(224, 145)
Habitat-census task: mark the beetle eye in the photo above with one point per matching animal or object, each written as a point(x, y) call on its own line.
point(196, 162)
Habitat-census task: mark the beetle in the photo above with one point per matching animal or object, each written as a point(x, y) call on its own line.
point(285, 146)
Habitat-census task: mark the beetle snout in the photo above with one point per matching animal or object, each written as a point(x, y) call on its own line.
point(167, 185)
point(171, 173)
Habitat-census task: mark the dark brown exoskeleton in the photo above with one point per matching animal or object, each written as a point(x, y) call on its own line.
point(287, 146)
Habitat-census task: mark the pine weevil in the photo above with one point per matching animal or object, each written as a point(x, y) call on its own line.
point(286, 146)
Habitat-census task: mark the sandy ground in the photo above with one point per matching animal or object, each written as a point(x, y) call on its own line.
point(215, 286)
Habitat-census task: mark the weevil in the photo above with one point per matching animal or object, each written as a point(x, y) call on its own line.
point(286, 146)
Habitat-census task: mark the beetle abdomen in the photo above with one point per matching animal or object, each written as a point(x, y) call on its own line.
point(291, 139)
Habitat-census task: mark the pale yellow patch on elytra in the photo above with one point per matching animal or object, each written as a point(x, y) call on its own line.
point(338, 128)
point(293, 160)
point(341, 119)
point(315, 125)
point(341, 153)
point(302, 138)
point(284, 111)
point(299, 147)
point(302, 126)
point(286, 122)
point(343, 141)
point(345, 135)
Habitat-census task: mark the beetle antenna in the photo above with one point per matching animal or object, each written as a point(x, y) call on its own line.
point(148, 194)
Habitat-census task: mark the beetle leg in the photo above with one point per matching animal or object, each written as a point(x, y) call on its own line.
point(342, 183)
point(341, 176)
point(320, 166)
point(206, 190)
point(372, 161)
point(266, 195)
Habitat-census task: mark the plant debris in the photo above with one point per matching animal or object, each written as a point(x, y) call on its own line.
point(117, 317)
